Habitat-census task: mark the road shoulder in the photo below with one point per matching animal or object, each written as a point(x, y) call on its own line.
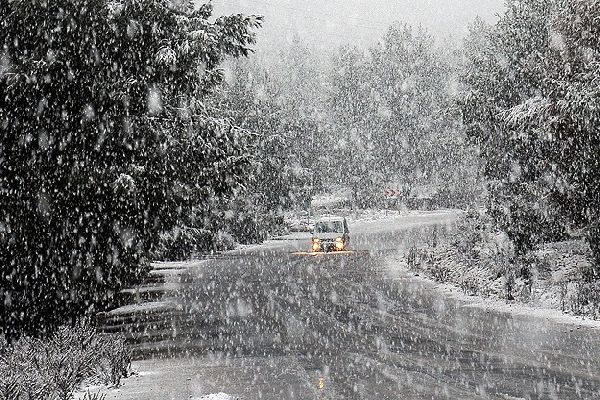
point(398, 268)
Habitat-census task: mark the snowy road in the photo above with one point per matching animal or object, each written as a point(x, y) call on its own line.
point(265, 323)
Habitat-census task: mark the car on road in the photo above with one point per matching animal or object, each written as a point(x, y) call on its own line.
point(330, 234)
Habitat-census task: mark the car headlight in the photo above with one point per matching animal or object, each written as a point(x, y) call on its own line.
point(316, 246)
point(339, 244)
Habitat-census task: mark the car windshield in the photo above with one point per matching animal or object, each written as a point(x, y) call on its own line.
point(329, 226)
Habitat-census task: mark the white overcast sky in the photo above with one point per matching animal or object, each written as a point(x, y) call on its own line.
point(326, 23)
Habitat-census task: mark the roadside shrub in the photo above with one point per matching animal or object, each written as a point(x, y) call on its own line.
point(53, 368)
point(115, 360)
point(478, 258)
point(439, 270)
point(470, 286)
point(255, 228)
point(225, 241)
point(584, 299)
point(593, 238)
point(93, 396)
point(469, 232)
point(181, 243)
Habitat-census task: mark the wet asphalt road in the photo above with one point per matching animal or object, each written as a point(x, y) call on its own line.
point(270, 323)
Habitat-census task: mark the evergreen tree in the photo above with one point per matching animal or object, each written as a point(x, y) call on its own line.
point(393, 110)
point(104, 143)
point(259, 103)
point(532, 106)
point(354, 122)
point(505, 69)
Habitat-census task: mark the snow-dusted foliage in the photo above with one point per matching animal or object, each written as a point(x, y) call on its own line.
point(531, 103)
point(282, 170)
point(96, 155)
point(53, 369)
point(396, 126)
point(358, 119)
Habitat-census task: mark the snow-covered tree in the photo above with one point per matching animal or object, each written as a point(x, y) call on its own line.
point(104, 143)
point(249, 101)
point(504, 68)
point(354, 122)
point(532, 106)
point(281, 102)
point(393, 109)
point(570, 114)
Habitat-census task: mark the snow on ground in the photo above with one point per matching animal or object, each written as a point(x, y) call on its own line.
point(379, 214)
point(303, 222)
point(380, 222)
point(89, 391)
point(216, 396)
point(156, 287)
point(146, 307)
point(398, 268)
point(369, 222)
point(295, 236)
point(214, 377)
point(169, 275)
point(364, 222)
point(267, 244)
point(177, 265)
point(329, 200)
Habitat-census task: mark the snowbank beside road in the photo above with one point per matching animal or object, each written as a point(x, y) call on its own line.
point(399, 267)
point(216, 396)
point(478, 285)
point(379, 222)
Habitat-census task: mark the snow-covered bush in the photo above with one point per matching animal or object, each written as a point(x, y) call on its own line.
point(225, 241)
point(53, 368)
point(585, 299)
point(481, 260)
point(181, 243)
point(478, 258)
point(477, 237)
point(250, 227)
